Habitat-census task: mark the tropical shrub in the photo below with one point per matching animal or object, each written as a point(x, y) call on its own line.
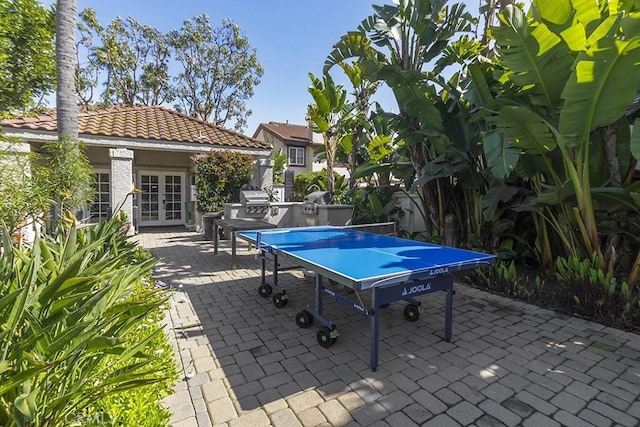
point(66, 174)
point(397, 46)
point(554, 102)
point(67, 303)
point(23, 198)
point(375, 204)
point(31, 183)
point(140, 406)
point(220, 175)
point(305, 183)
point(327, 115)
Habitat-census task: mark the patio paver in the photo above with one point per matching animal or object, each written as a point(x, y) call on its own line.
point(246, 362)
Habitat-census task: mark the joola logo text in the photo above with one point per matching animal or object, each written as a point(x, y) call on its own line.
point(416, 289)
point(436, 271)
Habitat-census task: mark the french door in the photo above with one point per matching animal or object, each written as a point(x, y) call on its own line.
point(161, 201)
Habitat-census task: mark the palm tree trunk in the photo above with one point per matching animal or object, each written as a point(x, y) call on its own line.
point(67, 108)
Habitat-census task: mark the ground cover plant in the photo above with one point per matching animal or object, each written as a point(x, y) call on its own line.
point(78, 329)
point(578, 288)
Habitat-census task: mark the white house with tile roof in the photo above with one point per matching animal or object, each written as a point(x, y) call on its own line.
point(147, 146)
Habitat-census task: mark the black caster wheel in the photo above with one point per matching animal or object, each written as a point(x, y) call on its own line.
point(411, 313)
point(326, 337)
point(304, 319)
point(280, 299)
point(264, 290)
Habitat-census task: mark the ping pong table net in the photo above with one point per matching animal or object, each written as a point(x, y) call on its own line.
point(386, 228)
point(313, 234)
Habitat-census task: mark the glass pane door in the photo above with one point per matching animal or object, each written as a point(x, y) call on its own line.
point(149, 198)
point(172, 197)
point(161, 200)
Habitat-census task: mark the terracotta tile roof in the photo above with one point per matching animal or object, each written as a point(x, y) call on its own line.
point(286, 132)
point(144, 123)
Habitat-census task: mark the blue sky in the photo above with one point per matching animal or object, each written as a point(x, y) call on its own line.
point(292, 38)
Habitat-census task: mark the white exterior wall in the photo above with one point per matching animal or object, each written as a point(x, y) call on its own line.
point(412, 220)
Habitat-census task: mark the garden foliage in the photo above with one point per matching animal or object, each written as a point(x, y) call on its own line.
point(220, 175)
point(578, 288)
point(305, 183)
point(76, 327)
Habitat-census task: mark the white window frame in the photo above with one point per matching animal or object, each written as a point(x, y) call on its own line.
point(293, 159)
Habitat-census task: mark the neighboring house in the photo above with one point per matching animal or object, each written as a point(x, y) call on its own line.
point(149, 147)
point(297, 142)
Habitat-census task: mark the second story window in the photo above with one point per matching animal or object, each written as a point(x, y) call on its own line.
point(296, 156)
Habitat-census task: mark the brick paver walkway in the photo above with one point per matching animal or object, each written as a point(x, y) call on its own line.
point(246, 363)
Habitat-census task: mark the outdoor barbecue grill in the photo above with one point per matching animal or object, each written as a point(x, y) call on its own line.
point(256, 202)
point(311, 202)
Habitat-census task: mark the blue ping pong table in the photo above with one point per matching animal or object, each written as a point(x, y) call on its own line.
point(391, 268)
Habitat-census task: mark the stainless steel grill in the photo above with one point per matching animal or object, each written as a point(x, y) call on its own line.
point(312, 200)
point(256, 202)
point(310, 206)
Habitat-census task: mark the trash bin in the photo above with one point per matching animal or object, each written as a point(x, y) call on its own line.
point(207, 223)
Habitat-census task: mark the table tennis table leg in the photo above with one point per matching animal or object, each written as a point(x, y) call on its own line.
point(448, 322)
point(375, 334)
point(319, 294)
point(275, 270)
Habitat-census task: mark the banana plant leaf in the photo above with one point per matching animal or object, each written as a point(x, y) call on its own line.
point(355, 44)
point(525, 129)
point(501, 156)
point(409, 89)
point(530, 165)
point(497, 195)
point(555, 196)
point(602, 86)
point(538, 59)
point(368, 169)
point(615, 199)
point(634, 141)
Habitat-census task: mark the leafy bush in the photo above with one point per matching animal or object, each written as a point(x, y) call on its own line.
point(305, 183)
point(23, 198)
point(66, 174)
point(140, 406)
point(72, 326)
point(375, 204)
point(220, 175)
point(33, 183)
